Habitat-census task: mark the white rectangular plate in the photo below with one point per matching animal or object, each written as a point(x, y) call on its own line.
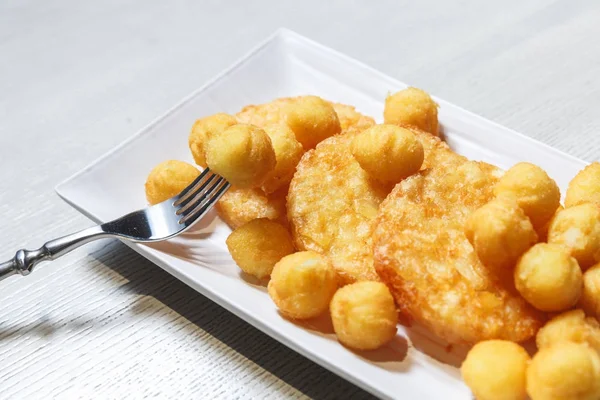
point(415, 365)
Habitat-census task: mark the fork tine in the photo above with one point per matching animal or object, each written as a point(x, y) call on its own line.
point(192, 197)
point(211, 196)
point(193, 187)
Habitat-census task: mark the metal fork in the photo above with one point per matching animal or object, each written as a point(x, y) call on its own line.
point(151, 224)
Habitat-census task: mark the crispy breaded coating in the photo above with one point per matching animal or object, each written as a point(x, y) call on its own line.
point(238, 206)
point(423, 255)
point(333, 202)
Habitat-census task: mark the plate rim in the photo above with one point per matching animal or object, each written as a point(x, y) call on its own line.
point(240, 311)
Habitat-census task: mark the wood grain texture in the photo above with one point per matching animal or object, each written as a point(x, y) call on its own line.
point(77, 78)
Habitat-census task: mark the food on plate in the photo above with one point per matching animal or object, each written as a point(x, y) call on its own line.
point(242, 154)
point(364, 315)
point(565, 371)
point(312, 119)
point(288, 152)
point(205, 128)
point(496, 370)
point(412, 107)
point(549, 278)
point(423, 255)
point(543, 230)
point(578, 229)
point(585, 186)
point(350, 118)
point(537, 194)
point(570, 326)
point(332, 203)
point(500, 233)
point(388, 153)
point(168, 179)
point(394, 217)
point(302, 285)
point(590, 298)
point(257, 245)
point(238, 206)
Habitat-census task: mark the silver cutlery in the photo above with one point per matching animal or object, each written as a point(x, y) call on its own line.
point(151, 224)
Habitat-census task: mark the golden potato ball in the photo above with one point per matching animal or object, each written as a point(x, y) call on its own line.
point(168, 179)
point(258, 245)
point(302, 284)
point(542, 231)
point(388, 153)
point(496, 370)
point(570, 326)
point(537, 194)
point(565, 371)
point(590, 298)
point(412, 107)
point(242, 154)
point(585, 186)
point(549, 278)
point(500, 233)
point(312, 120)
point(364, 315)
point(578, 229)
point(205, 128)
point(288, 152)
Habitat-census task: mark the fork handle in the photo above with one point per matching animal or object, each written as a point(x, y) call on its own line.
point(24, 260)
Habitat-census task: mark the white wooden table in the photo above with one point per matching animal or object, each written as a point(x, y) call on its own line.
point(78, 78)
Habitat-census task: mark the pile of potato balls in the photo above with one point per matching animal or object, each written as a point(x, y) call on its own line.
point(524, 235)
point(303, 284)
point(559, 275)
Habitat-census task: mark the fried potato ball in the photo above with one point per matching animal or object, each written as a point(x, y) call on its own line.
point(537, 194)
point(288, 152)
point(549, 278)
point(578, 229)
point(570, 326)
point(542, 231)
point(496, 370)
point(258, 245)
point(565, 371)
point(590, 298)
point(242, 154)
point(500, 233)
point(412, 107)
point(168, 179)
point(302, 284)
point(312, 119)
point(585, 187)
point(364, 315)
point(238, 206)
point(205, 128)
point(388, 153)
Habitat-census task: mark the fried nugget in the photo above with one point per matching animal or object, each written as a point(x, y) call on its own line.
point(238, 206)
point(423, 255)
point(333, 202)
